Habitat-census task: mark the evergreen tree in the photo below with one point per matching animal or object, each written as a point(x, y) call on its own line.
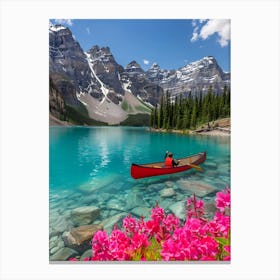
point(193, 121)
point(160, 113)
point(155, 119)
point(152, 118)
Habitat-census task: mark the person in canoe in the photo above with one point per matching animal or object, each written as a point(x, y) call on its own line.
point(170, 161)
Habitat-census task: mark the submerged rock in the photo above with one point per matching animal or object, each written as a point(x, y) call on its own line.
point(79, 235)
point(199, 188)
point(86, 254)
point(93, 198)
point(209, 165)
point(134, 199)
point(79, 238)
point(210, 209)
point(169, 184)
point(110, 222)
point(165, 203)
point(58, 224)
point(97, 183)
point(102, 197)
point(54, 250)
point(84, 215)
point(55, 243)
point(141, 212)
point(115, 204)
point(155, 187)
point(63, 254)
point(179, 209)
point(167, 192)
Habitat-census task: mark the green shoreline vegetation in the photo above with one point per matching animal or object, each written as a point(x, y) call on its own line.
point(192, 112)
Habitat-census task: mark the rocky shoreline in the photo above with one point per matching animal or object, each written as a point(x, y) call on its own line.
point(220, 127)
point(214, 132)
point(53, 121)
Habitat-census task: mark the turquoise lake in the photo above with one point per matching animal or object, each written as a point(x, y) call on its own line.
point(90, 167)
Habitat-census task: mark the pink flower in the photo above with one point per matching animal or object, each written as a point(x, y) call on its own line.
point(171, 250)
point(195, 226)
point(119, 243)
point(157, 214)
point(222, 223)
point(195, 208)
point(219, 226)
point(100, 246)
point(223, 200)
point(197, 239)
point(209, 247)
point(130, 225)
point(139, 241)
point(171, 222)
point(151, 227)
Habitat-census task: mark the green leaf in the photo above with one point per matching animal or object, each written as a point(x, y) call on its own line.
point(223, 241)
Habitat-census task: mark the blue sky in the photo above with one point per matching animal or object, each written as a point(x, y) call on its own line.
point(171, 43)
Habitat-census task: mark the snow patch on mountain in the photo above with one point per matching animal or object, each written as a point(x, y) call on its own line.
point(106, 110)
point(56, 28)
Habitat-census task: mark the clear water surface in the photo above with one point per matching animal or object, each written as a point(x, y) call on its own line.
point(90, 166)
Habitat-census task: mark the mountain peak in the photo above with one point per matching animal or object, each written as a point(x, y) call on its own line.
point(209, 57)
point(96, 48)
point(56, 28)
point(132, 64)
point(155, 66)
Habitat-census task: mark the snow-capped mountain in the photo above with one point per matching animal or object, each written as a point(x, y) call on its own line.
point(195, 77)
point(107, 69)
point(89, 81)
point(96, 86)
point(68, 66)
point(140, 85)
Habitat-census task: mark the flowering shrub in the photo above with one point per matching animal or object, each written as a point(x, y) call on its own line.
point(164, 238)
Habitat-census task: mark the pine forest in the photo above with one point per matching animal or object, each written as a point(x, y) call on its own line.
point(191, 111)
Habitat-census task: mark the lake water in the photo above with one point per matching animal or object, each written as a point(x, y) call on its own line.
point(90, 167)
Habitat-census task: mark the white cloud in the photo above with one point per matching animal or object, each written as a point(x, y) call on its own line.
point(212, 26)
point(146, 62)
point(195, 35)
point(195, 22)
point(64, 21)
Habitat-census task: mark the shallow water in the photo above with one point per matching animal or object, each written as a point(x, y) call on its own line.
point(90, 166)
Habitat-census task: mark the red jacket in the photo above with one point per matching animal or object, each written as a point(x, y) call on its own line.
point(168, 162)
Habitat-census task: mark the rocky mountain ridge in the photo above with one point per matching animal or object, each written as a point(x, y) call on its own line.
point(193, 77)
point(95, 85)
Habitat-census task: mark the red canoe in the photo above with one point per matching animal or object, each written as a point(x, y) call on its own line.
point(138, 171)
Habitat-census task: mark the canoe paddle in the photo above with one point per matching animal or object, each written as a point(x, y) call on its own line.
point(198, 168)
